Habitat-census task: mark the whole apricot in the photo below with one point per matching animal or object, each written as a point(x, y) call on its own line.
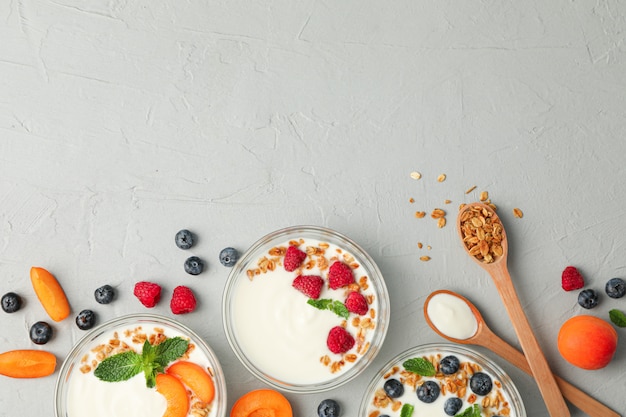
point(587, 342)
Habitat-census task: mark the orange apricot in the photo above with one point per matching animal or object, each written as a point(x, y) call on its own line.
point(587, 342)
point(195, 377)
point(50, 293)
point(27, 363)
point(262, 403)
point(175, 393)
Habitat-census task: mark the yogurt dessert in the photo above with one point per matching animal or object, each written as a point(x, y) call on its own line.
point(451, 316)
point(441, 381)
point(141, 365)
point(305, 310)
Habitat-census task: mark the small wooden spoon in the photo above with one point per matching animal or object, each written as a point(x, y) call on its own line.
point(485, 337)
point(477, 213)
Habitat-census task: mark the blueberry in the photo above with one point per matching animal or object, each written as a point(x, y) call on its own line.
point(452, 406)
point(428, 392)
point(393, 388)
point(588, 298)
point(11, 302)
point(104, 294)
point(615, 288)
point(184, 239)
point(229, 256)
point(86, 319)
point(40, 333)
point(480, 383)
point(328, 408)
point(449, 365)
point(194, 265)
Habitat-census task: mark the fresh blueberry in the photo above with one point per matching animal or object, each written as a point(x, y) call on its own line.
point(480, 383)
point(194, 265)
point(40, 333)
point(86, 319)
point(452, 406)
point(394, 388)
point(615, 288)
point(104, 294)
point(449, 365)
point(588, 298)
point(184, 239)
point(229, 256)
point(11, 302)
point(328, 408)
point(428, 392)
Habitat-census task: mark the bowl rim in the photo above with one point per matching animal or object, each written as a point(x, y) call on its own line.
point(67, 367)
point(508, 385)
point(375, 275)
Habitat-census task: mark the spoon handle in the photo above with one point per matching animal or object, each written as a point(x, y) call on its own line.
point(580, 399)
point(550, 392)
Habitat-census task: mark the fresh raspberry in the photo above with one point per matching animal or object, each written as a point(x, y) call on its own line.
point(309, 285)
point(183, 300)
point(571, 279)
point(356, 303)
point(148, 293)
point(339, 340)
point(293, 258)
point(339, 275)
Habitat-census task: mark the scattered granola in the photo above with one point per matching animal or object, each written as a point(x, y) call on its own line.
point(518, 213)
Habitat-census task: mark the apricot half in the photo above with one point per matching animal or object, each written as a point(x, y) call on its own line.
point(262, 403)
point(195, 377)
point(587, 342)
point(175, 393)
point(50, 293)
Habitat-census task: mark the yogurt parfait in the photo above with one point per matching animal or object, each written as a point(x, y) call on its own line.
point(441, 380)
point(141, 365)
point(305, 309)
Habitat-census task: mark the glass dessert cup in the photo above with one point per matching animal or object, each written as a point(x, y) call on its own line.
point(272, 339)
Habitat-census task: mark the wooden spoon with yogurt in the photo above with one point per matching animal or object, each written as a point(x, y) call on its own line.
point(484, 239)
point(449, 318)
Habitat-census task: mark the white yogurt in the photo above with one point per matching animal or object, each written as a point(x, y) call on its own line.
point(452, 316)
point(88, 396)
point(282, 335)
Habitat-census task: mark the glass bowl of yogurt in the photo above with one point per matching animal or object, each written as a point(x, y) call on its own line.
point(440, 380)
point(294, 298)
point(176, 356)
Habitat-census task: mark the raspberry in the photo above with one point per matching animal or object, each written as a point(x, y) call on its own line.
point(183, 300)
point(293, 258)
point(309, 285)
point(148, 293)
point(339, 340)
point(571, 279)
point(356, 303)
point(339, 275)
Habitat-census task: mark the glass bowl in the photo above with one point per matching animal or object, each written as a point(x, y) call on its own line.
point(77, 388)
point(503, 394)
point(282, 339)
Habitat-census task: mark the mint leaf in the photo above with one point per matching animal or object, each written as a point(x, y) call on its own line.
point(170, 350)
point(335, 306)
point(420, 366)
point(618, 318)
point(472, 411)
point(120, 367)
point(407, 410)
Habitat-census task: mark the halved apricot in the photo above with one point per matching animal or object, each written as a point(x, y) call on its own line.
point(27, 363)
point(262, 403)
point(50, 293)
point(175, 393)
point(195, 377)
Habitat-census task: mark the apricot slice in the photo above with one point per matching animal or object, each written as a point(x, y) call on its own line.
point(50, 293)
point(587, 342)
point(195, 377)
point(27, 363)
point(262, 403)
point(175, 393)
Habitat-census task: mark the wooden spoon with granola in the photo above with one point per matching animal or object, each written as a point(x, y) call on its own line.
point(484, 239)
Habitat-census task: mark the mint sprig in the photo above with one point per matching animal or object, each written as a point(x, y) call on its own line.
point(335, 306)
point(419, 366)
point(152, 361)
point(472, 411)
point(617, 317)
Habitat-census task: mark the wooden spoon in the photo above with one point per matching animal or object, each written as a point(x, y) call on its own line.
point(486, 338)
point(477, 224)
